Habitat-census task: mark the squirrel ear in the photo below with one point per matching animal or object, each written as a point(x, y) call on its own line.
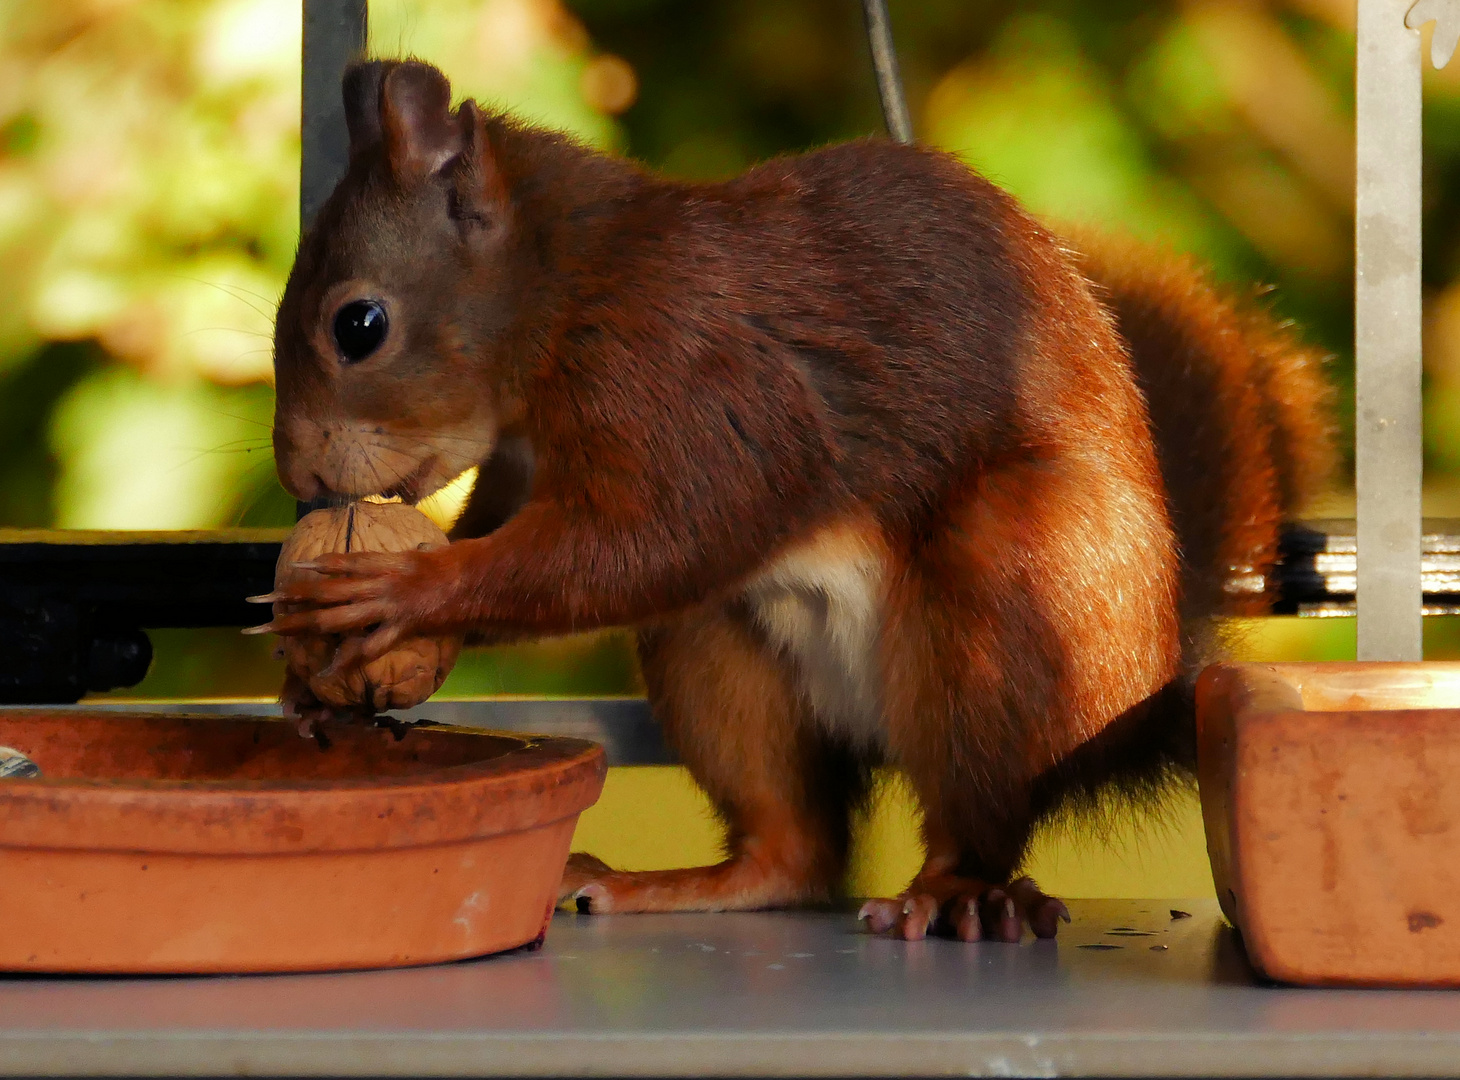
point(362, 102)
point(481, 189)
point(420, 133)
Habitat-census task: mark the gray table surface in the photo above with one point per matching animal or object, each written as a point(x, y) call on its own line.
point(752, 994)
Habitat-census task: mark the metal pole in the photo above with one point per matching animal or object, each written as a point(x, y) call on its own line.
point(334, 35)
point(1387, 334)
point(884, 62)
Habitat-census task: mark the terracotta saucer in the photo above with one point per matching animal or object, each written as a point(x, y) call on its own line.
point(202, 844)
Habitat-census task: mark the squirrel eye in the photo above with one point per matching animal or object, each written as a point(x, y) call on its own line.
point(360, 327)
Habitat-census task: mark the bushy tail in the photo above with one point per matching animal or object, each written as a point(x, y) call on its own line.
point(1241, 416)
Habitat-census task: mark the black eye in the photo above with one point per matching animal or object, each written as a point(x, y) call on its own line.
point(360, 327)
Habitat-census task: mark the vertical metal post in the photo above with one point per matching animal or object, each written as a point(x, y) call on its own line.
point(1387, 334)
point(334, 34)
point(884, 62)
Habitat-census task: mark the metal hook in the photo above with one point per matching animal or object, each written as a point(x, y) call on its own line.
point(1445, 14)
point(884, 62)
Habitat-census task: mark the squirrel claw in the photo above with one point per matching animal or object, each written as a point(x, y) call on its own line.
point(315, 567)
point(879, 915)
point(966, 909)
point(592, 900)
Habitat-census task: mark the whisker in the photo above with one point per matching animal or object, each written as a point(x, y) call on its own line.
point(238, 356)
point(234, 291)
point(228, 330)
point(261, 491)
point(257, 440)
point(262, 312)
point(475, 450)
point(272, 301)
point(374, 470)
point(369, 461)
point(423, 440)
point(249, 445)
point(242, 419)
point(225, 449)
point(431, 437)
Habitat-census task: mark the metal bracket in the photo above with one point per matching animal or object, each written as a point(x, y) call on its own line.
point(1445, 14)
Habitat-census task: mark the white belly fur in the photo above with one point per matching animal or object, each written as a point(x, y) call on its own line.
point(820, 604)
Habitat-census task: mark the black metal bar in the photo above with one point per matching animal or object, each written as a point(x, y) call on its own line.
point(884, 62)
point(73, 605)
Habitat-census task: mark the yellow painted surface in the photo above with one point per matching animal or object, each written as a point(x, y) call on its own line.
point(654, 817)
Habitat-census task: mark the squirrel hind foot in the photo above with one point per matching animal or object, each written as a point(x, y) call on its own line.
point(740, 883)
point(966, 909)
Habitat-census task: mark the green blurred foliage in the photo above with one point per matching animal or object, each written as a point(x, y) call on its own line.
point(1222, 129)
point(148, 194)
point(218, 663)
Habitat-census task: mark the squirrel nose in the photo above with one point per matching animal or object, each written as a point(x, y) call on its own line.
point(316, 493)
point(298, 449)
point(299, 480)
point(325, 497)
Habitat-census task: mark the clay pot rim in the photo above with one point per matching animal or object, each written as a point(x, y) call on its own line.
point(541, 780)
point(1281, 687)
point(546, 747)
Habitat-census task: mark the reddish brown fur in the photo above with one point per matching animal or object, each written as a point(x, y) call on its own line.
point(1240, 415)
point(780, 790)
point(849, 437)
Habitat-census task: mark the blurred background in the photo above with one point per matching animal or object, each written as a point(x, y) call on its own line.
point(149, 154)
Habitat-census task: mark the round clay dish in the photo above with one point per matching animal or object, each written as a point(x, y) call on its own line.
point(201, 844)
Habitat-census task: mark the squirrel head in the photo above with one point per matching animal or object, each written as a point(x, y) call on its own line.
point(387, 376)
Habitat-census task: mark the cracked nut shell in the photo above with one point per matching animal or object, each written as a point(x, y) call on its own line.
point(403, 677)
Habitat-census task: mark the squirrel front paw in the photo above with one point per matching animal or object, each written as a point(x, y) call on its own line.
point(375, 600)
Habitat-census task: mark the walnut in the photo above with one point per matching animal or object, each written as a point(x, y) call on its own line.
point(414, 669)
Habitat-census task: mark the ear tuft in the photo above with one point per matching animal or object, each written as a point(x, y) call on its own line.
point(481, 189)
point(361, 89)
point(420, 133)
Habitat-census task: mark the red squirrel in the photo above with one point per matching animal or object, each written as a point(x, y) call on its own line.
point(882, 472)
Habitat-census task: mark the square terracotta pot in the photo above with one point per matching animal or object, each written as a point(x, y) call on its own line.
point(1331, 798)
